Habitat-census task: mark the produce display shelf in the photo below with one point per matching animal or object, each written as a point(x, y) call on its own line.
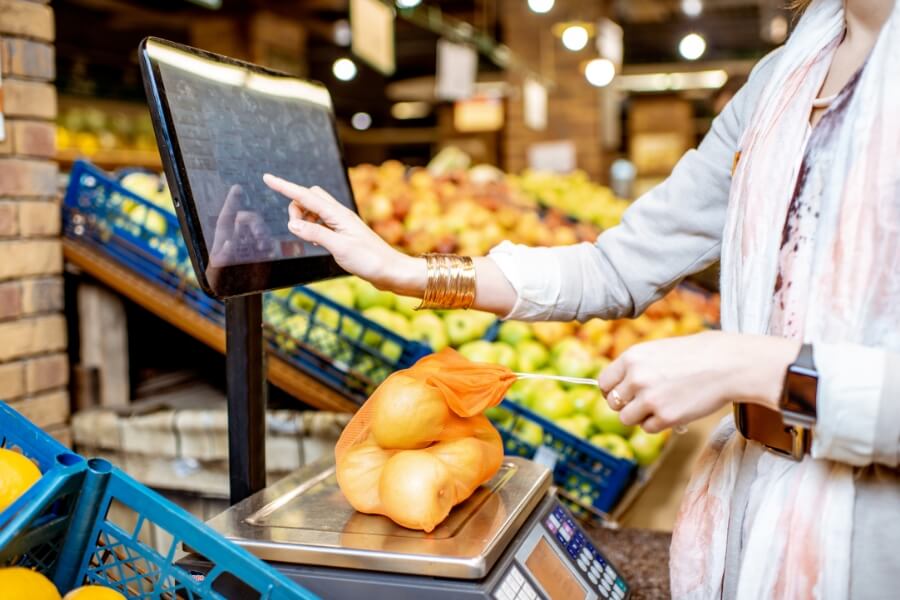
point(109, 228)
point(69, 526)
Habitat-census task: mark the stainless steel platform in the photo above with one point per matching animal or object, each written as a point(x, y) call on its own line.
point(304, 519)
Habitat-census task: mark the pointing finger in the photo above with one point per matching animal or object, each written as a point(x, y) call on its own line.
point(327, 208)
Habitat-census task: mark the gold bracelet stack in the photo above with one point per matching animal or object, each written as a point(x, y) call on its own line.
point(450, 283)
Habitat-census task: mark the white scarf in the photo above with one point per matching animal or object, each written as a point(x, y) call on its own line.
point(800, 539)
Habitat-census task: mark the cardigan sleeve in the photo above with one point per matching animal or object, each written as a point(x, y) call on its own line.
point(858, 405)
point(671, 232)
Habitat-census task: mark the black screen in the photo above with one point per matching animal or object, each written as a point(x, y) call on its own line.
point(232, 125)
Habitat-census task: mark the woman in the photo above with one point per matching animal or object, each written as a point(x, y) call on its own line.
point(796, 190)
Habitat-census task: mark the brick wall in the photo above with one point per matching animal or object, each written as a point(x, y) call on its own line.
point(573, 105)
point(34, 369)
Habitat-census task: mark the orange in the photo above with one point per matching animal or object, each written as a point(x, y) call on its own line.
point(17, 474)
point(94, 592)
point(19, 583)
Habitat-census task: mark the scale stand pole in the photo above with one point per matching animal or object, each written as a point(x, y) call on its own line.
point(245, 365)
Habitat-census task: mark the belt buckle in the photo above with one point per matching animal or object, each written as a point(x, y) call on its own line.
point(799, 444)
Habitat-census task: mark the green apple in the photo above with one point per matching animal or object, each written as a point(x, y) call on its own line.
point(578, 425)
point(564, 346)
point(479, 351)
point(406, 305)
point(647, 446)
point(506, 356)
point(392, 350)
point(532, 356)
point(519, 391)
point(337, 290)
point(583, 398)
point(324, 340)
point(514, 332)
point(300, 301)
point(328, 316)
point(283, 293)
point(387, 319)
point(614, 444)
point(296, 326)
point(540, 387)
point(429, 328)
point(607, 420)
point(574, 359)
point(368, 296)
point(463, 327)
point(530, 433)
point(500, 416)
point(552, 404)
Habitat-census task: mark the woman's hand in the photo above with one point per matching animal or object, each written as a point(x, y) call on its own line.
point(355, 247)
point(666, 383)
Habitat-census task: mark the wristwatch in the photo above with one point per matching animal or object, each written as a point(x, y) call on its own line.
point(798, 400)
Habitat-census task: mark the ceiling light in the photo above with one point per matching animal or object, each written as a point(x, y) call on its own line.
point(600, 72)
point(410, 110)
point(692, 8)
point(778, 29)
point(361, 121)
point(408, 3)
point(342, 33)
point(575, 37)
point(540, 6)
point(692, 46)
point(344, 69)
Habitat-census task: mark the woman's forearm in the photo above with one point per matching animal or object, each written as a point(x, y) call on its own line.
point(493, 293)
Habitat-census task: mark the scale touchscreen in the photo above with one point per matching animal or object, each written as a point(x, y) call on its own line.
point(232, 126)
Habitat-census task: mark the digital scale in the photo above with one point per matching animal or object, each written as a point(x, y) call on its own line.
point(512, 540)
point(220, 124)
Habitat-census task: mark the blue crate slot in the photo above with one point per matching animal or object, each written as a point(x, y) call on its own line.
point(64, 527)
point(586, 471)
point(336, 354)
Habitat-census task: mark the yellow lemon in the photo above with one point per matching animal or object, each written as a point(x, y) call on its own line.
point(19, 583)
point(17, 474)
point(94, 592)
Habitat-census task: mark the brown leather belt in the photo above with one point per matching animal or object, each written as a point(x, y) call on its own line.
point(766, 426)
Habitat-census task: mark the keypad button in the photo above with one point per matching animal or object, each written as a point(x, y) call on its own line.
point(611, 572)
point(618, 593)
point(528, 593)
point(608, 579)
point(594, 579)
point(595, 570)
point(621, 584)
point(516, 576)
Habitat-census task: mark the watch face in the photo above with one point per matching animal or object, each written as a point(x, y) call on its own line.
point(800, 393)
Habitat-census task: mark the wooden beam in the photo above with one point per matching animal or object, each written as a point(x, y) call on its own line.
point(160, 302)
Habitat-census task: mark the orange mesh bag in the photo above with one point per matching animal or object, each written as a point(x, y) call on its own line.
point(420, 445)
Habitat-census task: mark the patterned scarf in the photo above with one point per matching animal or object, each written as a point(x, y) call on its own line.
point(797, 529)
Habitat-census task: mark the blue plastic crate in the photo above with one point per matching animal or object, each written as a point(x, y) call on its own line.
point(587, 473)
point(99, 212)
point(63, 527)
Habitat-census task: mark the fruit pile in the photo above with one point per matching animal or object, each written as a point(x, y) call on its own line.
point(89, 129)
point(458, 212)
point(573, 194)
point(19, 583)
point(574, 350)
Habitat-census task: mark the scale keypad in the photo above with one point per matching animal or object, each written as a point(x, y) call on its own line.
point(515, 587)
point(591, 564)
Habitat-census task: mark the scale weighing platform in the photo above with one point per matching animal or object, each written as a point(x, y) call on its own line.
point(512, 540)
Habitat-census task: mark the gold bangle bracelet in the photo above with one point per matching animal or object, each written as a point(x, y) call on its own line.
point(450, 282)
